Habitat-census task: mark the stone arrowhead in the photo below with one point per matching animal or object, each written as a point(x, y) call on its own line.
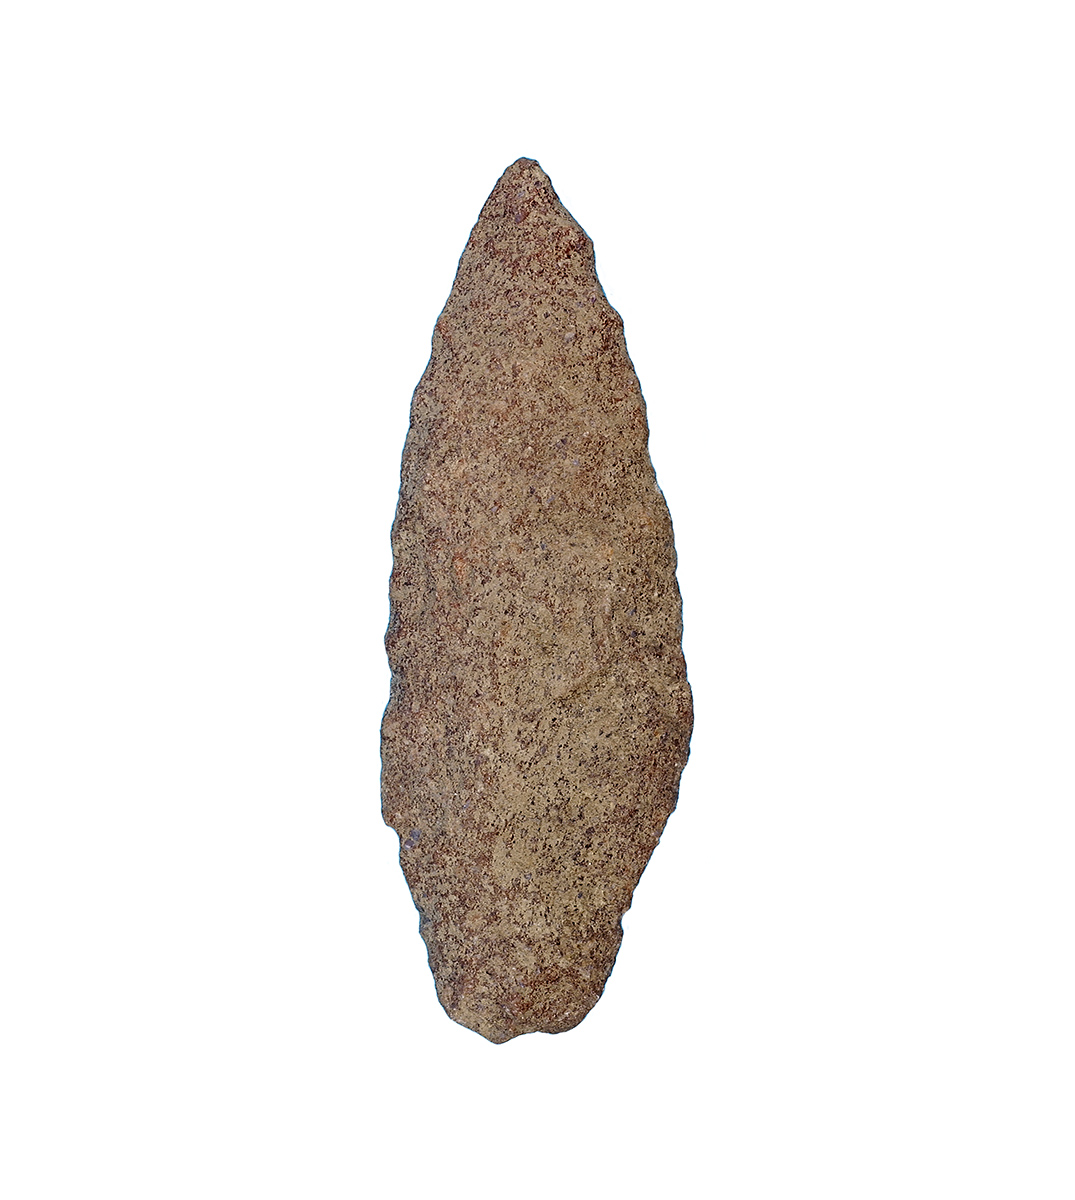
point(539, 715)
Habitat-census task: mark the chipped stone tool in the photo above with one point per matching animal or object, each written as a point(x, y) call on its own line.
point(539, 715)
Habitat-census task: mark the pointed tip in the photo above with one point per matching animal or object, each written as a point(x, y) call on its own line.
point(522, 189)
point(523, 169)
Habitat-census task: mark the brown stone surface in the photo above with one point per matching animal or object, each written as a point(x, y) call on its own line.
point(539, 714)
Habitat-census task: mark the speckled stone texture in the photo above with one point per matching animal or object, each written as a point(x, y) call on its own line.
point(540, 714)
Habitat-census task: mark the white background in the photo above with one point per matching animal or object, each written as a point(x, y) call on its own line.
point(840, 236)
